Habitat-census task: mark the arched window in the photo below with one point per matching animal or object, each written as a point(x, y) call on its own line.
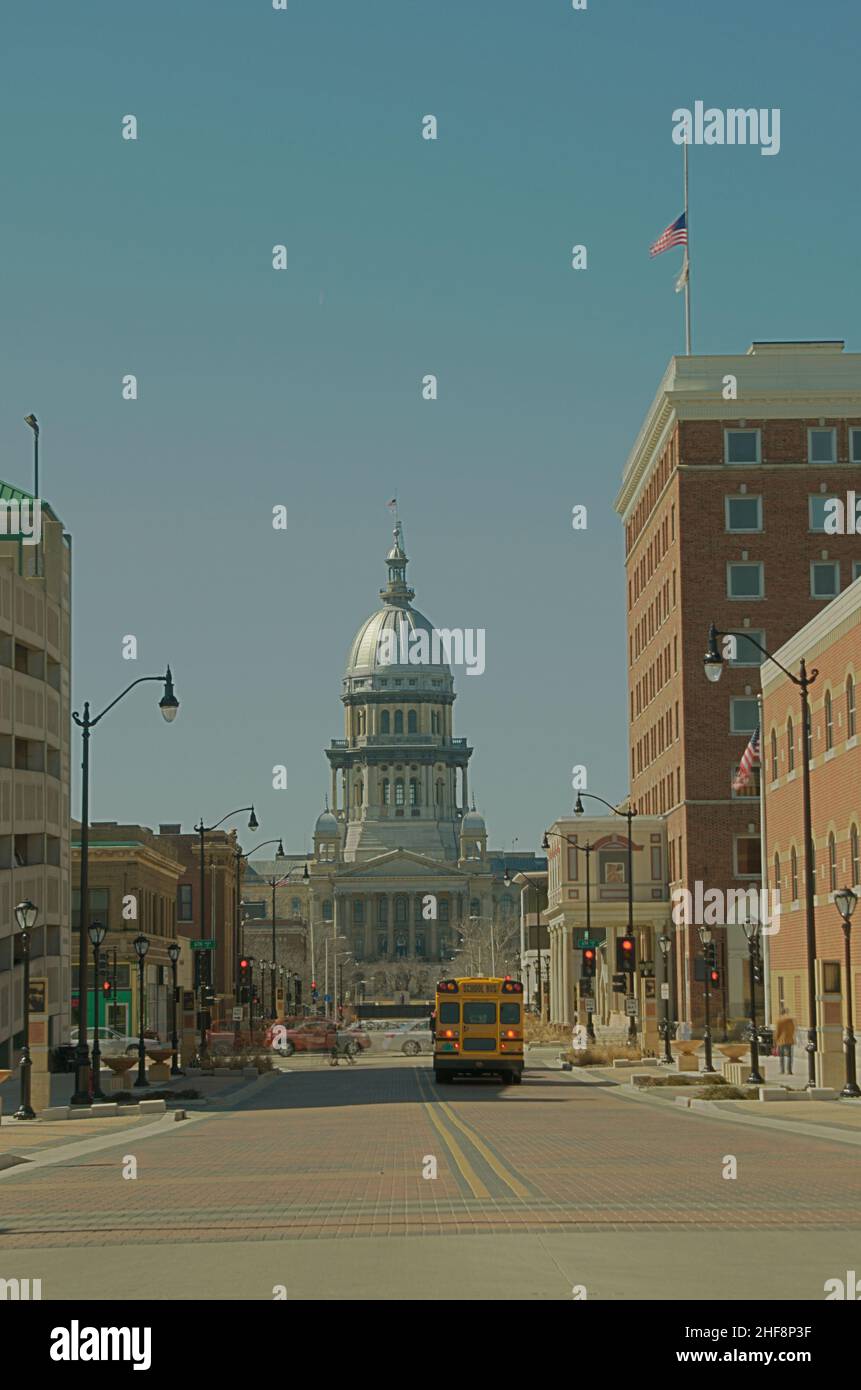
point(776, 883)
point(774, 755)
point(829, 721)
point(475, 907)
point(399, 791)
point(412, 722)
point(850, 707)
point(790, 746)
point(399, 721)
point(832, 864)
point(327, 909)
point(414, 791)
point(385, 722)
point(387, 791)
point(793, 874)
point(855, 863)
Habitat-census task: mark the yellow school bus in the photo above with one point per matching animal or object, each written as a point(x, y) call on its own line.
point(478, 1029)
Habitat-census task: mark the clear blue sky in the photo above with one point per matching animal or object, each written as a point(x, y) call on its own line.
point(302, 387)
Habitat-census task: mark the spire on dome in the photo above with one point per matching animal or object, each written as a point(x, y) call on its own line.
point(397, 592)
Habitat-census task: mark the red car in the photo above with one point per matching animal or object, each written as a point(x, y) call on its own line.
point(311, 1035)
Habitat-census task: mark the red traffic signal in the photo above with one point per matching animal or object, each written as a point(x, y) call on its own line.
point(243, 965)
point(106, 986)
point(587, 962)
point(626, 954)
point(714, 978)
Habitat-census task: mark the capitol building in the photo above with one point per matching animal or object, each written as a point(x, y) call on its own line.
point(400, 879)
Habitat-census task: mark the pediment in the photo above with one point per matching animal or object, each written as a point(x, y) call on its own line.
point(403, 864)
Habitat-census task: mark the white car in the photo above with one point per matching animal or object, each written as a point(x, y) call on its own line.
point(409, 1038)
point(114, 1044)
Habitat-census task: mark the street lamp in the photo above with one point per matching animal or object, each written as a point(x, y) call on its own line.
point(239, 855)
point(25, 915)
point(173, 952)
point(665, 942)
point(97, 931)
point(629, 813)
point(203, 830)
point(752, 928)
point(588, 849)
point(705, 935)
point(846, 902)
point(141, 945)
point(274, 883)
point(34, 426)
point(713, 664)
point(168, 705)
point(508, 880)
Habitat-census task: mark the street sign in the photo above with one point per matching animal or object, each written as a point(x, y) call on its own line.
point(631, 1008)
point(237, 1014)
point(588, 1003)
point(665, 990)
point(327, 998)
point(204, 943)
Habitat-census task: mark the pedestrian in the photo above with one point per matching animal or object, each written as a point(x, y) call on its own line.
point(784, 1037)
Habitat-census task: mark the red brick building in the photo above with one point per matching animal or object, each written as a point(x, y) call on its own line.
point(830, 644)
point(722, 502)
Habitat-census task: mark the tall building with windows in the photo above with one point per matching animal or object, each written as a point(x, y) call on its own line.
point(723, 502)
point(401, 879)
point(34, 765)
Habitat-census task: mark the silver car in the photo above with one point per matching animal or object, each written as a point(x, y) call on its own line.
point(409, 1038)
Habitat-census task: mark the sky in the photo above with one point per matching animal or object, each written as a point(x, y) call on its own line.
point(302, 387)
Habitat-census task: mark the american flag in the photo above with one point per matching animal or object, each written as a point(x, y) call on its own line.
point(674, 235)
point(393, 503)
point(749, 760)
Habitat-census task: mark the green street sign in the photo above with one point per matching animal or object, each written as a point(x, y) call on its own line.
point(206, 943)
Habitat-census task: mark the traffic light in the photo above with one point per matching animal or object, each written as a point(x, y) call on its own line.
point(710, 952)
point(619, 983)
point(626, 954)
point(714, 978)
point(587, 963)
point(106, 987)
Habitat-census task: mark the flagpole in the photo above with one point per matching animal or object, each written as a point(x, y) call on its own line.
point(687, 260)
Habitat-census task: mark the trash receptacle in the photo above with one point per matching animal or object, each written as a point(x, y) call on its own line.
point(63, 1058)
point(765, 1038)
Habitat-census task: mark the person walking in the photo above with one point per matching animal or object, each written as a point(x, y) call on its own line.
point(784, 1037)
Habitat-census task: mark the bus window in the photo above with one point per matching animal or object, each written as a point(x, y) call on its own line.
point(449, 1013)
point(479, 1011)
point(509, 1013)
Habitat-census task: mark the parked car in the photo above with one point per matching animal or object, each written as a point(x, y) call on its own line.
point(409, 1038)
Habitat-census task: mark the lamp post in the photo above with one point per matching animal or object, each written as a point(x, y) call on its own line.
point(846, 901)
point(629, 813)
point(203, 830)
point(665, 943)
point(25, 915)
point(141, 945)
point(705, 935)
point(240, 855)
point(508, 880)
point(173, 952)
point(588, 849)
point(274, 883)
point(752, 928)
point(250, 962)
point(34, 426)
point(713, 664)
point(169, 705)
point(97, 931)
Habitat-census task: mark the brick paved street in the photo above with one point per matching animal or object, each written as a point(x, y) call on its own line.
point(318, 1174)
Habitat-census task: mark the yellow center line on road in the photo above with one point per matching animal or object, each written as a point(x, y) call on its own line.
point(461, 1161)
point(510, 1181)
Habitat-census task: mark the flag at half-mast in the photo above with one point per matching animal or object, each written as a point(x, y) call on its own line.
point(749, 761)
point(674, 235)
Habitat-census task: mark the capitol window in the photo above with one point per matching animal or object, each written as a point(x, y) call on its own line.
point(412, 722)
point(399, 792)
point(387, 791)
point(399, 721)
point(384, 722)
point(414, 791)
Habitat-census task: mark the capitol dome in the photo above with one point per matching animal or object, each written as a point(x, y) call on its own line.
point(326, 824)
point(473, 823)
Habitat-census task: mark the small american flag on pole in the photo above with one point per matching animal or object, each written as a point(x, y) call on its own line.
point(674, 235)
point(749, 760)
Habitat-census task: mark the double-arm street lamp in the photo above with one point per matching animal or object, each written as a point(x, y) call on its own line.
point(713, 663)
point(97, 931)
point(629, 813)
point(169, 705)
point(705, 935)
point(665, 942)
point(25, 915)
point(203, 830)
point(588, 849)
point(173, 954)
point(141, 945)
point(273, 884)
point(537, 889)
point(846, 901)
point(239, 857)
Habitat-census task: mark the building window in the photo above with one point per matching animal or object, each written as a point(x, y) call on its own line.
point(421, 949)
point(745, 579)
point(387, 791)
point(414, 791)
point(832, 864)
point(573, 865)
point(743, 513)
point(825, 579)
point(399, 721)
point(750, 788)
point(774, 772)
point(743, 715)
point(856, 571)
point(295, 907)
point(855, 446)
point(790, 745)
point(829, 721)
point(358, 912)
point(385, 722)
point(793, 875)
point(741, 446)
point(850, 707)
point(184, 908)
point(821, 446)
point(855, 863)
point(474, 907)
point(748, 860)
point(399, 791)
point(412, 722)
point(400, 910)
point(657, 869)
point(382, 945)
point(327, 909)
point(98, 906)
point(746, 653)
point(776, 883)
point(817, 513)
point(359, 946)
